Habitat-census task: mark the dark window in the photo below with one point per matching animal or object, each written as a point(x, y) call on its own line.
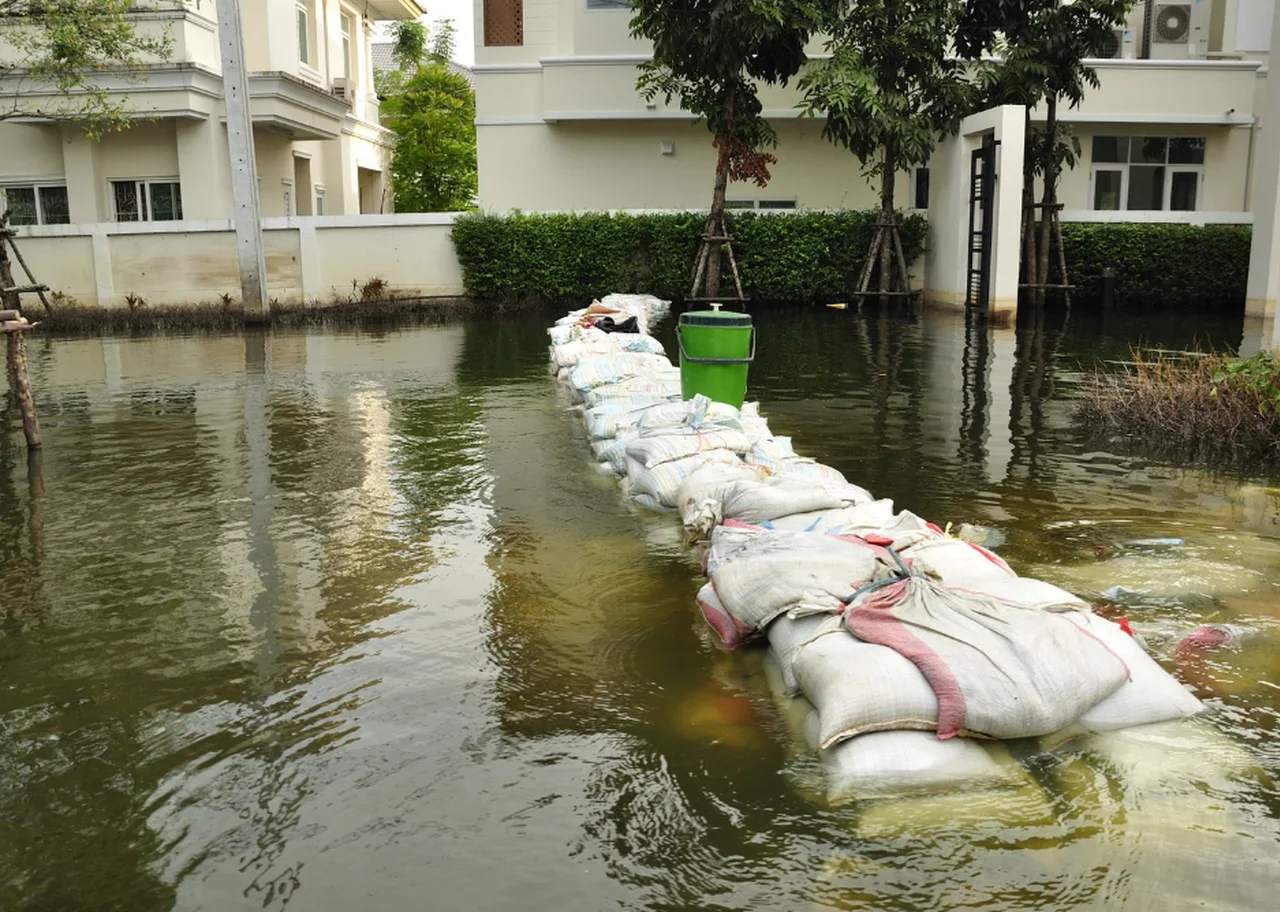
point(922, 188)
point(1110, 149)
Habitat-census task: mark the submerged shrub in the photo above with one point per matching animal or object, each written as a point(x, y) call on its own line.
point(1157, 264)
point(801, 257)
point(1212, 409)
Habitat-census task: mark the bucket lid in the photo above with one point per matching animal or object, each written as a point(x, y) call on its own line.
point(719, 318)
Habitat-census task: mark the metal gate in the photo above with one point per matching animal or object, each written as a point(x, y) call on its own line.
point(982, 197)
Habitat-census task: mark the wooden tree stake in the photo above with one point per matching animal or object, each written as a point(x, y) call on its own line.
point(21, 380)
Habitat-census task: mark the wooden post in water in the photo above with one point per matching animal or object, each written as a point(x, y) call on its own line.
point(14, 326)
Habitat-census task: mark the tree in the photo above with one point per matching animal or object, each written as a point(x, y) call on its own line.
point(56, 48)
point(711, 54)
point(432, 110)
point(889, 90)
point(1040, 48)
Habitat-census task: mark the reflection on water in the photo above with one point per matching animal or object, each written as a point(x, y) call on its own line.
point(328, 619)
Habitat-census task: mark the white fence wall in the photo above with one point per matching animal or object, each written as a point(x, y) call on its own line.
point(311, 258)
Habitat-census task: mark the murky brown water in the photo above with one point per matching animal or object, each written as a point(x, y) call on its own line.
point(346, 619)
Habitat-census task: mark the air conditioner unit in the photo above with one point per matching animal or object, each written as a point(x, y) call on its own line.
point(1201, 11)
point(343, 91)
point(1121, 45)
point(1171, 31)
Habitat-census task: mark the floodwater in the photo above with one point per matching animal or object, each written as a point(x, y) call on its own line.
point(340, 619)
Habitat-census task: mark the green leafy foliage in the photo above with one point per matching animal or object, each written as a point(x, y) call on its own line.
point(1256, 377)
point(1160, 264)
point(806, 257)
point(432, 111)
point(890, 87)
point(712, 55)
point(53, 49)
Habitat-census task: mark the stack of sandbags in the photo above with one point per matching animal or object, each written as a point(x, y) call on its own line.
point(894, 644)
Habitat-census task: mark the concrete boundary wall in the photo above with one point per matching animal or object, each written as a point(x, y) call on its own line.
point(318, 258)
point(311, 258)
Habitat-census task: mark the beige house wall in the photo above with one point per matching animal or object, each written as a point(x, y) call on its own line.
point(621, 165)
point(296, 115)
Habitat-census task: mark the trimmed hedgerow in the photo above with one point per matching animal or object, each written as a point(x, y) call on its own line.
point(1160, 264)
point(803, 257)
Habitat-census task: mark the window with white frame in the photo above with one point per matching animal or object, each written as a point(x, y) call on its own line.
point(1147, 173)
point(344, 26)
point(36, 204)
point(304, 32)
point(146, 200)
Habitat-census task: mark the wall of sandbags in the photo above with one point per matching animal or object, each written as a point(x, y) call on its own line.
point(904, 655)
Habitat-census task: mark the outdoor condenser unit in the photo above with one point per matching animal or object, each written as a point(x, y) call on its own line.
point(1122, 45)
point(1181, 30)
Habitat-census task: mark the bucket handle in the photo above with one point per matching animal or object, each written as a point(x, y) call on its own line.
point(684, 355)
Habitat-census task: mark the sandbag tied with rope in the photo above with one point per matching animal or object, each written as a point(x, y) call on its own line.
point(997, 669)
point(757, 576)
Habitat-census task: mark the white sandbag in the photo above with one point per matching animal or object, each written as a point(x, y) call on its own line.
point(786, 636)
point(770, 451)
point(752, 423)
point(639, 305)
point(883, 762)
point(563, 334)
point(614, 418)
point(657, 386)
point(612, 453)
point(662, 482)
point(776, 572)
point(961, 565)
point(759, 501)
point(860, 687)
point(572, 353)
point(860, 519)
point(1153, 758)
point(983, 813)
point(652, 451)
point(907, 529)
point(592, 372)
point(725, 543)
point(999, 670)
point(801, 467)
point(689, 416)
point(1150, 695)
point(700, 495)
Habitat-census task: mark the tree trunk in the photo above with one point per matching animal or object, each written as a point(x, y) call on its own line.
point(715, 224)
point(886, 218)
point(1029, 261)
point(1050, 188)
point(715, 219)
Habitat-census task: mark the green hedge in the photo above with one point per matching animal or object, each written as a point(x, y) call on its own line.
point(1160, 264)
point(792, 257)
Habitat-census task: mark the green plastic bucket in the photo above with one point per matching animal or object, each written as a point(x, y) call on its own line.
point(716, 349)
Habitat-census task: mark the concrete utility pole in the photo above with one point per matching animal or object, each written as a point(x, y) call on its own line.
point(244, 167)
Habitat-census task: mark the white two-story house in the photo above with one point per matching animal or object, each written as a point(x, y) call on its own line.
point(319, 146)
point(1172, 129)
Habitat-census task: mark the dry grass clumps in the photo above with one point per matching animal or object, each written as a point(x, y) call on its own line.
point(1212, 409)
point(368, 306)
